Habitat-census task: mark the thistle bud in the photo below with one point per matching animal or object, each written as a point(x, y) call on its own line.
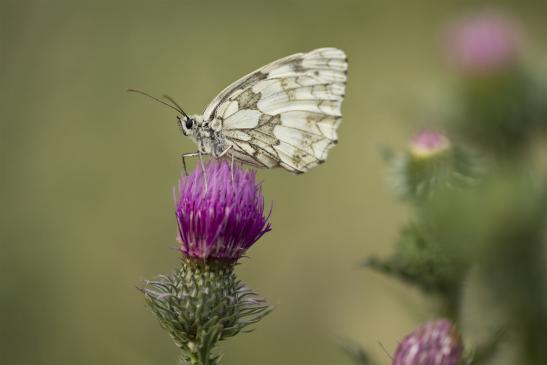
point(435, 343)
point(201, 304)
point(417, 172)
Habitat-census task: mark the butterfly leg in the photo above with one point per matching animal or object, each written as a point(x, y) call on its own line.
point(202, 169)
point(222, 154)
point(186, 155)
point(232, 168)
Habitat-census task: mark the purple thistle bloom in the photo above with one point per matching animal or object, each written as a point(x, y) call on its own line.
point(435, 343)
point(428, 143)
point(220, 213)
point(482, 44)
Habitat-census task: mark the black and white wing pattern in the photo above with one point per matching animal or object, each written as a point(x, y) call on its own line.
point(286, 113)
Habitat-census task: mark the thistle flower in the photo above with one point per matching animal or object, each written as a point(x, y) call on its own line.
point(482, 44)
point(428, 144)
point(220, 215)
point(435, 343)
point(220, 212)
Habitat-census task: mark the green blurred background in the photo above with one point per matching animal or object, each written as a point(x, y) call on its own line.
point(87, 171)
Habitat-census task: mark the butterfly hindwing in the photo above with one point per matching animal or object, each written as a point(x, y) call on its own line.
point(286, 113)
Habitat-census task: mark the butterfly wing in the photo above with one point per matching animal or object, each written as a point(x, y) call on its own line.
point(286, 113)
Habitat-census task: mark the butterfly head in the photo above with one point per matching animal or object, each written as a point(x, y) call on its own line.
point(187, 124)
point(192, 125)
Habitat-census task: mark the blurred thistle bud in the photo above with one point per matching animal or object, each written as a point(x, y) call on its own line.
point(482, 44)
point(502, 102)
point(435, 343)
point(220, 215)
point(428, 144)
point(431, 162)
point(220, 212)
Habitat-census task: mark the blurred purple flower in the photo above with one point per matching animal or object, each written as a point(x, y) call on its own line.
point(482, 44)
point(428, 143)
point(220, 213)
point(435, 343)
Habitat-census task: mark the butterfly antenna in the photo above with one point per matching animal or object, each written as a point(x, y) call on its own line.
point(177, 108)
point(175, 103)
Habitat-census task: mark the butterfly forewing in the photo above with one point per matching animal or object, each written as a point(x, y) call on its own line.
point(286, 113)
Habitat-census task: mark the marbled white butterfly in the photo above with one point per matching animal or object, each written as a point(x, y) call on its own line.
point(284, 114)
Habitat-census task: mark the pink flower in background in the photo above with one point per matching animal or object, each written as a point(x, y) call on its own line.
point(482, 44)
point(435, 343)
point(428, 143)
point(220, 212)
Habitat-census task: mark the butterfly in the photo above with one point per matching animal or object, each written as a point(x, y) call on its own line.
point(284, 114)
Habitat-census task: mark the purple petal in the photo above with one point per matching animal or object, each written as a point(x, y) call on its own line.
point(223, 219)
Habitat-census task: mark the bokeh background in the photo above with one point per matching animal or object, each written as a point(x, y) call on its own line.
point(87, 170)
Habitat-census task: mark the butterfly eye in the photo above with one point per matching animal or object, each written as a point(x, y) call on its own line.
point(189, 123)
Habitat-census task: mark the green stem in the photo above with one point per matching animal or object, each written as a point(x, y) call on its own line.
point(450, 303)
point(197, 358)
